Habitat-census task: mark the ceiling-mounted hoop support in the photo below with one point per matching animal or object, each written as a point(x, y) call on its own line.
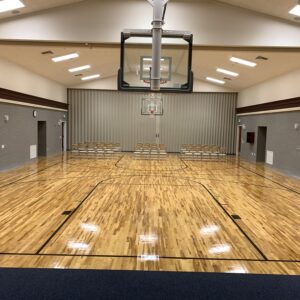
point(157, 33)
point(157, 23)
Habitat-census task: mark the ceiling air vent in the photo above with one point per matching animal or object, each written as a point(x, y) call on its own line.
point(227, 78)
point(47, 52)
point(261, 58)
point(78, 75)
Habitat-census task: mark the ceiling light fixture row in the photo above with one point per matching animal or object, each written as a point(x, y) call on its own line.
point(77, 69)
point(230, 73)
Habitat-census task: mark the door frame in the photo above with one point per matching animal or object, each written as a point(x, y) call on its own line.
point(239, 128)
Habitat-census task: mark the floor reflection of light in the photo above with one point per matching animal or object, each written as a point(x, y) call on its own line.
point(147, 257)
point(237, 269)
point(57, 266)
point(209, 230)
point(89, 227)
point(148, 238)
point(218, 249)
point(78, 246)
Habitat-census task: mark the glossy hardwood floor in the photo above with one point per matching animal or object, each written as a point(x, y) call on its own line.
point(122, 213)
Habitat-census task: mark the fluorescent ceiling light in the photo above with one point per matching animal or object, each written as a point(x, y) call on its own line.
point(161, 68)
point(90, 77)
point(230, 73)
point(215, 80)
point(295, 11)
point(150, 59)
point(243, 62)
point(65, 57)
point(79, 68)
point(6, 5)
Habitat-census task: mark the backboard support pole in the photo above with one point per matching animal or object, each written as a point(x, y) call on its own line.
point(157, 23)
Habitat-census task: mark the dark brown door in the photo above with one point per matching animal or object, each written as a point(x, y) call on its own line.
point(63, 136)
point(240, 140)
point(42, 138)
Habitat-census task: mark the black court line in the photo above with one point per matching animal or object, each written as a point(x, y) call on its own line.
point(68, 218)
point(28, 175)
point(286, 187)
point(160, 257)
point(239, 227)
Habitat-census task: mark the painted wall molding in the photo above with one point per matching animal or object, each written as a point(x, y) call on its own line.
point(30, 99)
point(272, 107)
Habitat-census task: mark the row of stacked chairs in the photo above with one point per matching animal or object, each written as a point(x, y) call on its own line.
point(198, 152)
point(97, 148)
point(150, 151)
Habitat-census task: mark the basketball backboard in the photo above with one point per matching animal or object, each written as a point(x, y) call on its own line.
point(152, 104)
point(136, 61)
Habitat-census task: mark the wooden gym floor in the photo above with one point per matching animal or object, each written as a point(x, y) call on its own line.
point(173, 215)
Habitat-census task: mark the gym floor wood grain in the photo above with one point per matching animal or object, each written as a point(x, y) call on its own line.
point(122, 213)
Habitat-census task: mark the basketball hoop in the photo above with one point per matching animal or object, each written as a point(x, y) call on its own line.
point(152, 112)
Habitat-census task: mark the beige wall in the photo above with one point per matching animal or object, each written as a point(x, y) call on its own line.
point(211, 22)
point(279, 88)
point(13, 77)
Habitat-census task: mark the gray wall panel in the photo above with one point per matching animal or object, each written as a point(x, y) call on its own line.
point(21, 131)
point(199, 118)
point(282, 139)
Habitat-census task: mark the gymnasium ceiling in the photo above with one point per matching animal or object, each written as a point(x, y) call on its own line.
point(276, 8)
point(105, 61)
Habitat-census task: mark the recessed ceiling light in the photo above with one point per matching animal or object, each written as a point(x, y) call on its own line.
point(79, 68)
point(15, 12)
point(295, 11)
point(65, 57)
point(243, 62)
point(47, 52)
point(261, 58)
point(215, 80)
point(7, 5)
point(90, 77)
point(230, 73)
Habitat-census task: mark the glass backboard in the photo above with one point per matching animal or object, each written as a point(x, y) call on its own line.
point(136, 61)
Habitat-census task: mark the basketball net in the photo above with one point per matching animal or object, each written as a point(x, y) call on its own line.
point(152, 113)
